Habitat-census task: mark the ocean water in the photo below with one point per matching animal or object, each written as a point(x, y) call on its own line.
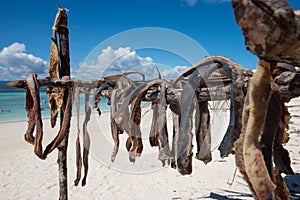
point(12, 105)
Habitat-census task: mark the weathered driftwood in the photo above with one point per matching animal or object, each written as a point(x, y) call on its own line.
point(271, 29)
point(64, 55)
point(58, 83)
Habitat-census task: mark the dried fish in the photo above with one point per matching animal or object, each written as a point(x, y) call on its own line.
point(153, 136)
point(97, 96)
point(28, 136)
point(163, 141)
point(259, 96)
point(183, 145)
point(138, 92)
point(65, 126)
point(281, 155)
point(269, 131)
point(33, 87)
point(134, 143)
point(203, 132)
point(78, 148)
point(281, 191)
point(55, 94)
point(236, 110)
point(86, 139)
point(238, 145)
point(135, 138)
point(114, 126)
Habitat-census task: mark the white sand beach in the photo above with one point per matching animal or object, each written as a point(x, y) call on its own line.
point(24, 176)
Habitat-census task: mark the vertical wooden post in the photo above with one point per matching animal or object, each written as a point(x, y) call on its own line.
point(63, 33)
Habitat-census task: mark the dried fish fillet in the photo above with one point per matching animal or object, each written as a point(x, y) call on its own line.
point(259, 96)
point(55, 94)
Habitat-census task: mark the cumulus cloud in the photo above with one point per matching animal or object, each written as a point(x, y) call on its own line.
point(190, 2)
point(114, 61)
point(172, 73)
point(15, 63)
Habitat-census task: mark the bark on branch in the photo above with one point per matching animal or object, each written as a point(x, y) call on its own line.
point(271, 29)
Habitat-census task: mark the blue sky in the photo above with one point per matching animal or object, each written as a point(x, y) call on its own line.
point(26, 30)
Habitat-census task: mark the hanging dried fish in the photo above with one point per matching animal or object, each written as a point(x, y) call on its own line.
point(270, 128)
point(135, 139)
point(78, 148)
point(86, 138)
point(28, 136)
point(139, 92)
point(183, 145)
point(153, 136)
point(97, 97)
point(33, 87)
point(255, 170)
point(55, 94)
point(115, 130)
point(163, 140)
point(281, 155)
point(281, 191)
point(236, 110)
point(134, 143)
point(238, 146)
point(202, 131)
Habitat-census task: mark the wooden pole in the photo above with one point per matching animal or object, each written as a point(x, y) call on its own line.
point(64, 73)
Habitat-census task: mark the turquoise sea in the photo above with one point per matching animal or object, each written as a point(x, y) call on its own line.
point(12, 104)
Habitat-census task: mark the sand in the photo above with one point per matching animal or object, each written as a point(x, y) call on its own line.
point(25, 176)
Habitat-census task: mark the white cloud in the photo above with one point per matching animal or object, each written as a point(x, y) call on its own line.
point(112, 61)
point(15, 63)
point(173, 73)
point(190, 2)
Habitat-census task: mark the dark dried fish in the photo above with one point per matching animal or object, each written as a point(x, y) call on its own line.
point(203, 133)
point(281, 155)
point(65, 124)
point(281, 191)
point(28, 136)
point(269, 131)
point(153, 136)
point(97, 97)
point(183, 149)
point(136, 146)
point(163, 140)
point(138, 92)
point(33, 87)
point(134, 143)
point(236, 110)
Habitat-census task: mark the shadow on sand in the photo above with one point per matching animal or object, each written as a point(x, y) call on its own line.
point(292, 182)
